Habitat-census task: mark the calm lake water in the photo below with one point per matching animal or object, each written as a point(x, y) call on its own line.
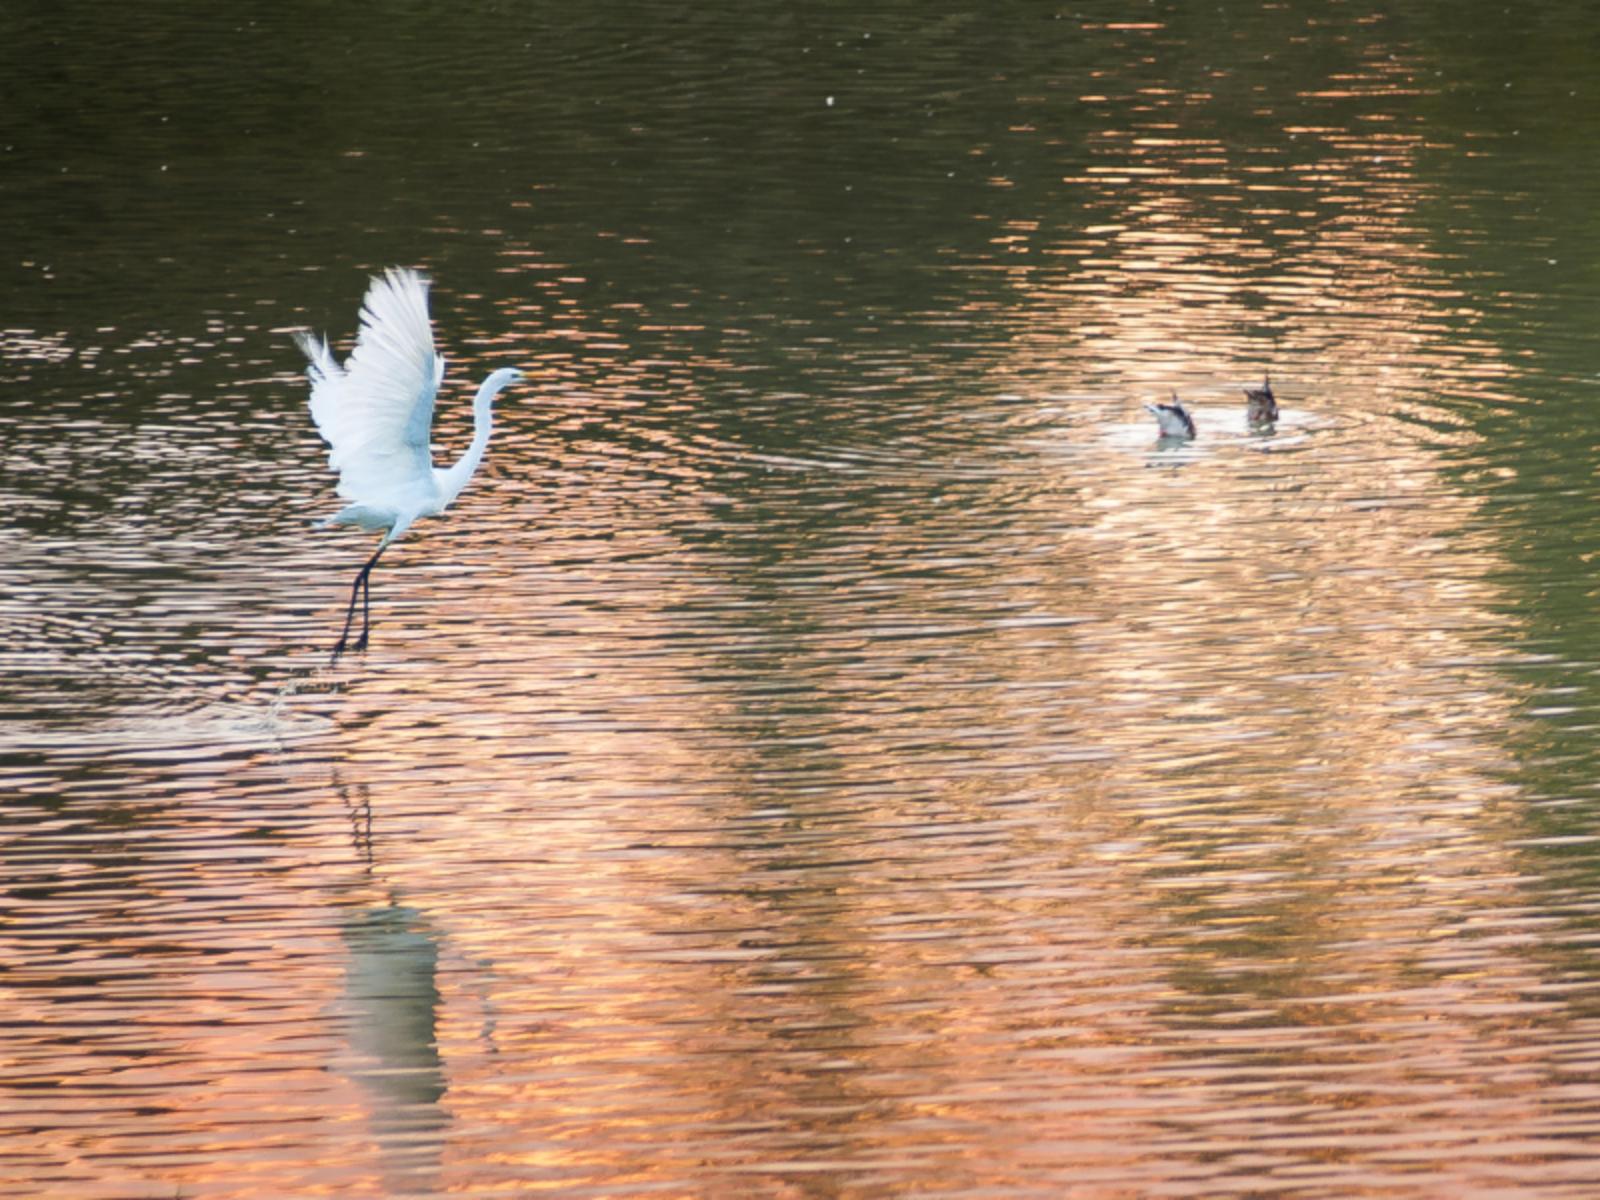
point(832, 749)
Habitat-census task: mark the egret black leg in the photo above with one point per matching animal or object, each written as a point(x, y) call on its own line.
point(366, 605)
point(360, 590)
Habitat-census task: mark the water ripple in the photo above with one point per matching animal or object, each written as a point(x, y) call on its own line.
point(833, 747)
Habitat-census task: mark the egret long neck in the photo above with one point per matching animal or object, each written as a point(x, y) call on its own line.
point(454, 477)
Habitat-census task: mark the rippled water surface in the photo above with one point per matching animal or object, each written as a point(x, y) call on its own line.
point(833, 749)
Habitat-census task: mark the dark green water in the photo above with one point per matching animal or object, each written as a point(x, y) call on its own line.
point(832, 749)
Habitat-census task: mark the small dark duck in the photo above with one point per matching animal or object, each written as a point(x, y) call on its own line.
point(1262, 404)
point(1174, 419)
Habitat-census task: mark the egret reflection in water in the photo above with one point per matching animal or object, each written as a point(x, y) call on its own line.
point(392, 1001)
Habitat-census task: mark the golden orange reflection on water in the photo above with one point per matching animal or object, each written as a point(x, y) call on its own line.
point(952, 813)
point(1175, 799)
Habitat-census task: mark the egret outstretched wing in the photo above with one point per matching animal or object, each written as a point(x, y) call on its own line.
point(376, 411)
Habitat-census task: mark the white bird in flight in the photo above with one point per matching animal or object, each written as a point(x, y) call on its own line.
point(376, 413)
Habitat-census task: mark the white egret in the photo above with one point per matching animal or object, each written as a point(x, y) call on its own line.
point(376, 413)
point(1173, 419)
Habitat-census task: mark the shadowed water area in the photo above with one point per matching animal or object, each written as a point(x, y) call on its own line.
point(832, 749)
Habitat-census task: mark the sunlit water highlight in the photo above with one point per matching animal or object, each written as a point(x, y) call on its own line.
point(833, 748)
